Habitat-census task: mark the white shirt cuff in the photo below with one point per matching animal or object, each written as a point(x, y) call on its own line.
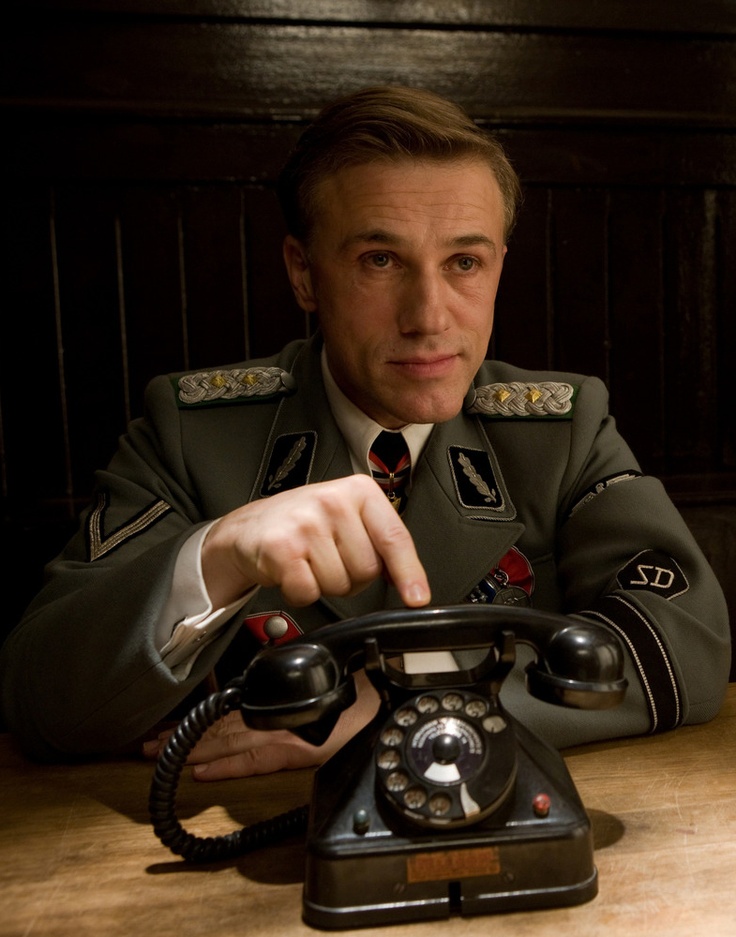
point(188, 617)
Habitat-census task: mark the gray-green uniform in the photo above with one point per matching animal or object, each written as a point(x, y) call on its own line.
point(530, 489)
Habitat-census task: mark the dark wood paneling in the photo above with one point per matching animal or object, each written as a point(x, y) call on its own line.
point(523, 326)
point(723, 405)
point(213, 264)
point(274, 317)
point(707, 16)
point(246, 71)
point(636, 310)
point(140, 230)
point(90, 325)
point(153, 292)
point(578, 280)
point(35, 466)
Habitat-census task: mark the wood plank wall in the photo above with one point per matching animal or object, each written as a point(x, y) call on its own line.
point(140, 233)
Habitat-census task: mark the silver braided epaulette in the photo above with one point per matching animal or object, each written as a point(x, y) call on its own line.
point(523, 399)
point(239, 384)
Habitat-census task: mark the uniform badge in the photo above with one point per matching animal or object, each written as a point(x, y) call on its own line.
point(290, 463)
point(475, 481)
point(654, 571)
point(523, 400)
point(272, 627)
point(600, 486)
point(101, 542)
point(509, 583)
point(236, 385)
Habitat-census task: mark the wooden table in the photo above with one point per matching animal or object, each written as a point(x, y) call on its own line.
point(78, 855)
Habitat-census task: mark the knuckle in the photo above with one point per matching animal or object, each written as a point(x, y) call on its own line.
point(342, 586)
point(300, 593)
point(265, 759)
point(396, 535)
point(234, 742)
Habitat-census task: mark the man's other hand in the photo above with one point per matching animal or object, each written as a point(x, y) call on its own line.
point(229, 749)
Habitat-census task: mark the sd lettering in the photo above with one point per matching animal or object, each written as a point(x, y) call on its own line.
point(657, 577)
point(653, 571)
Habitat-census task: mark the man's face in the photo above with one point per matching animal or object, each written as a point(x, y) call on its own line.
point(402, 270)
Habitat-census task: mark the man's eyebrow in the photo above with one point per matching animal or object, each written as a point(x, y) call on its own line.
point(376, 236)
point(472, 240)
point(379, 236)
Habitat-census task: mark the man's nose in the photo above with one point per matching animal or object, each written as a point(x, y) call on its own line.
point(424, 304)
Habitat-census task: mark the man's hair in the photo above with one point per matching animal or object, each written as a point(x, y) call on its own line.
point(386, 123)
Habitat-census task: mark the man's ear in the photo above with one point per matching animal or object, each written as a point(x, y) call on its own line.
point(299, 272)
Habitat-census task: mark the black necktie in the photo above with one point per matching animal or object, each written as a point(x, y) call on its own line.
point(391, 464)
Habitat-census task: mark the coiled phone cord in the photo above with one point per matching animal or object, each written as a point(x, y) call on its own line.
point(162, 798)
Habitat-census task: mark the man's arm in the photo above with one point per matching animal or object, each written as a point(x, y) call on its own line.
point(83, 671)
point(624, 557)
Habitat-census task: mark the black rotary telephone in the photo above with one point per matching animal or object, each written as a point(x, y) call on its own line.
point(445, 804)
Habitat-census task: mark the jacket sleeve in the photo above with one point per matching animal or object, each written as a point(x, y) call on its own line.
point(627, 560)
point(80, 673)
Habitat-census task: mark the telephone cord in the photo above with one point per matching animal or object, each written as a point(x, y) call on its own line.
point(162, 798)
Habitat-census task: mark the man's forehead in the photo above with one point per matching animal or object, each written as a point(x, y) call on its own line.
point(372, 201)
point(408, 172)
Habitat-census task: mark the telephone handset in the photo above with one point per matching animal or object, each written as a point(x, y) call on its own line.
point(445, 804)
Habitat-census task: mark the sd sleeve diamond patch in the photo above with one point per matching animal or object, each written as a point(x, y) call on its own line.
point(654, 571)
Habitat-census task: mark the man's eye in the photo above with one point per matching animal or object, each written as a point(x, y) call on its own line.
point(380, 260)
point(466, 264)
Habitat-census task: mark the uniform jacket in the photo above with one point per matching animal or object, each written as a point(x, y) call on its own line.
point(553, 498)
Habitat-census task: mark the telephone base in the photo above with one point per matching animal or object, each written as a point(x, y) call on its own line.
point(513, 860)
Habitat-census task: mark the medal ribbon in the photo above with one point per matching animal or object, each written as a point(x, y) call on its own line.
point(391, 466)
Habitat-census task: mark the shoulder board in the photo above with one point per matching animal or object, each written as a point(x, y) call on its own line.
point(518, 400)
point(239, 385)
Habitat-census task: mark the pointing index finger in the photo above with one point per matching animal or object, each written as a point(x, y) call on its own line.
point(394, 544)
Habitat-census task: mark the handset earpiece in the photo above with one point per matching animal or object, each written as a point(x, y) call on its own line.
point(580, 665)
point(299, 687)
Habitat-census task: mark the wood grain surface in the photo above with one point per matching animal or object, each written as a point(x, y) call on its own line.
point(78, 855)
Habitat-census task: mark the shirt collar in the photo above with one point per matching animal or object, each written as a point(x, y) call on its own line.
point(360, 430)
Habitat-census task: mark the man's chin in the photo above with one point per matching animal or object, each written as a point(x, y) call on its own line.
point(427, 410)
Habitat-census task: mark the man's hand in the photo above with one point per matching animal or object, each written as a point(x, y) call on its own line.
point(229, 749)
point(332, 538)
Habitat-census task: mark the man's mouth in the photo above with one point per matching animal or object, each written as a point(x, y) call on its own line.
point(426, 366)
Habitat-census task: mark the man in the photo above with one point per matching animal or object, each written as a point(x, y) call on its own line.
point(241, 507)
